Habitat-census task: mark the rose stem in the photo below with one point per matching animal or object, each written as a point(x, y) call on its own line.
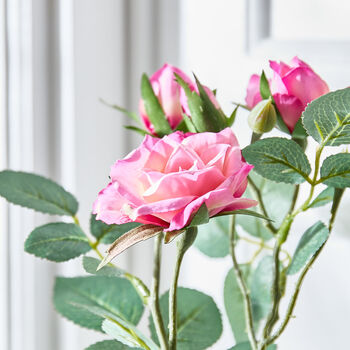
point(242, 287)
point(186, 240)
point(154, 297)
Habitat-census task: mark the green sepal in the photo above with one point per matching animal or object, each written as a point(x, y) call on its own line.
point(264, 87)
point(140, 131)
point(153, 108)
point(201, 217)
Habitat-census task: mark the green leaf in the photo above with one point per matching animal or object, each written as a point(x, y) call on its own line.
point(36, 192)
point(264, 87)
point(201, 217)
point(153, 108)
point(136, 129)
point(234, 304)
point(217, 117)
point(309, 244)
point(199, 322)
point(278, 159)
point(325, 197)
point(109, 233)
point(335, 170)
point(129, 114)
point(246, 346)
point(327, 119)
point(195, 104)
point(189, 124)
point(260, 288)
point(57, 242)
point(108, 345)
point(215, 231)
point(90, 266)
point(114, 295)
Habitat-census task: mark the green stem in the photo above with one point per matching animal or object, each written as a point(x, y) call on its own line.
point(186, 240)
point(243, 288)
point(154, 298)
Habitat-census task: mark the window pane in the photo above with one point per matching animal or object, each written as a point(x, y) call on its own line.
point(310, 19)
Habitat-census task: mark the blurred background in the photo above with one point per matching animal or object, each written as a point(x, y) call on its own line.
point(59, 57)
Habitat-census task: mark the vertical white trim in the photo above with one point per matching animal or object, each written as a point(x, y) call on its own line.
point(4, 276)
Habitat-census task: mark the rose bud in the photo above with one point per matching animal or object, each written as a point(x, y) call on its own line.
point(263, 117)
point(292, 86)
point(171, 96)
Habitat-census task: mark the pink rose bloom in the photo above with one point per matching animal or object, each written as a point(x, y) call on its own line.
point(171, 96)
point(165, 181)
point(292, 88)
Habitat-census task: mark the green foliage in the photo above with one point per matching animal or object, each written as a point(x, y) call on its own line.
point(199, 322)
point(264, 87)
point(278, 159)
point(309, 244)
point(153, 108)
point(36, 192)
point(201, 217)
point(260, 288)
point(335, 170)
point(327, 119)
point(212, 239)
point(218, 118)
point(246, 346)
point(57, 242)
point(140, 131)
point(232, 117)
point(299, 131)
point(114, 295)
point(108, 345)
point(234, 304)
point(325, 197)
point(90, 266)
point(109, 233)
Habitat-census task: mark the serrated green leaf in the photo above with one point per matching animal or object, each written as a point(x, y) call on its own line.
point(212, 239)
point(264, 87)
point(109, 345)
point(201, 217)
point(335, 170)
point(260, 288)
point(107, 234)
point(114, 295)
point(90, 266)
point(57, 242)
point(199, 321)
point(234, 304)
point(308, 245)
point(325, 197)
point(278, 159)
point(217, 117)
point(327, 119)
point(36, 192)
point(153, 108)
point(246, 346)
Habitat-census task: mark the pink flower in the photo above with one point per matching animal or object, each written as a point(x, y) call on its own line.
point(171, 96)
point(165, 181)
point(292, 88)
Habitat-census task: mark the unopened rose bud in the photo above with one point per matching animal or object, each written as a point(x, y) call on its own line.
point(262, 118)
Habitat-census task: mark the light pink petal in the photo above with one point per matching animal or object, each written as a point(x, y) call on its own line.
point(183, 158)
point(108, 206)
point(290, 108)
point(239, 204)
point(253, 96)
point(150, 219)
point(233, 161)
point(186, 183)
point(276, 85)
point(200, 142)
point(215, 155)
point(296, 62)
point(305, 84)
point(280, 68)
